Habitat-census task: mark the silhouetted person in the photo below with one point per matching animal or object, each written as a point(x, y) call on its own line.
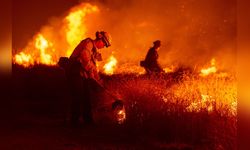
point(151, 61)
point(82, 74)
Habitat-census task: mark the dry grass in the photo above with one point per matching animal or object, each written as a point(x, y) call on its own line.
point(181, 107)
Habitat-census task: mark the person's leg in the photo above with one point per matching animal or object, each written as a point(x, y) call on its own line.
point(75, 110)
point(87, 108)
point(75, 85)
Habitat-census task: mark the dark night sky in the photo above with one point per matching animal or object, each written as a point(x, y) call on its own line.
point(29, 15)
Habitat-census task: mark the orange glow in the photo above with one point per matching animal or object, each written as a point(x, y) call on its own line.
point(110, 66)
point(121, 116)
point(23, 59)
point(75, 28)
point(204, 104)
point(210, 70)
point(53, 42)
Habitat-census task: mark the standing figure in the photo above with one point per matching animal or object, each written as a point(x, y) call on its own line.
point(151, 61)
point(82, 74)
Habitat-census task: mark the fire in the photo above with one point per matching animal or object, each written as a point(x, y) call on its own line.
point(206, 103)
point(168, 69)
point(75, 27)
point(23, 59)
point(121, 116)
point(53, 42)
point(39, 54)
point(210, 70)
point(110, 66)
point(42, 44)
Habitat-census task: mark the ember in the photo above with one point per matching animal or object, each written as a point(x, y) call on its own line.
point(75, 27)
point(121, 116)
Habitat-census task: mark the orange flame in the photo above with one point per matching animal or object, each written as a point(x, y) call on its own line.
point(75, 28)
point(121, 116)
point(42, 44)
point(52, 42)
point(206, 103)
point(168, 69)
point(210, 70)
point(23, 59)
point(110, 66)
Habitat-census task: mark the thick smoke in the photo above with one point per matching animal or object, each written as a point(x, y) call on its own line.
point(192, 31)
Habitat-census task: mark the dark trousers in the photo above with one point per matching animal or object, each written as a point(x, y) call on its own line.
point(80, 89)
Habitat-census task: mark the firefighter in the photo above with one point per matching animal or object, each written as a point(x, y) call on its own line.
point(151, 61)
point(82, 73)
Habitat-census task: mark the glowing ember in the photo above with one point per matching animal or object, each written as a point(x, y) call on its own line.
point(234, 108)
point(210, 70)
point(168, 69)
point(206, 103)
point(110, 66)
point(39, 54)
point(130, 68)
point(121, 116)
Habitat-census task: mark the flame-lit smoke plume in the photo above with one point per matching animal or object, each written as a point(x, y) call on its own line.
point(192, 32)
point(57, 39)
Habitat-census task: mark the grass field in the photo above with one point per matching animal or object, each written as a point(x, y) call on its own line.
point(178, 110)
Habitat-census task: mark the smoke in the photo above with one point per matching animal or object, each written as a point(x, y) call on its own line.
point(192, 31)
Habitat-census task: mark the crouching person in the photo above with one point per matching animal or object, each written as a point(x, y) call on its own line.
point(150, 63)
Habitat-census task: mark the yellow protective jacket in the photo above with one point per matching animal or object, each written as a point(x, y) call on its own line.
point(85, 54)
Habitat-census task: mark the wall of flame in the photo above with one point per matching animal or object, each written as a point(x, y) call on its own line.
point(192, 32)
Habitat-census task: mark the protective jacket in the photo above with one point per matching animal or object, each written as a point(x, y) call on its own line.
point(83, 59)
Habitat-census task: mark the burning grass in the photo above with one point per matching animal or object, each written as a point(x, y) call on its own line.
point(181, 107)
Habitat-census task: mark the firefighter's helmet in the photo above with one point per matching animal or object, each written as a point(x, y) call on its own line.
point(106, 38)
point(157, 43)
